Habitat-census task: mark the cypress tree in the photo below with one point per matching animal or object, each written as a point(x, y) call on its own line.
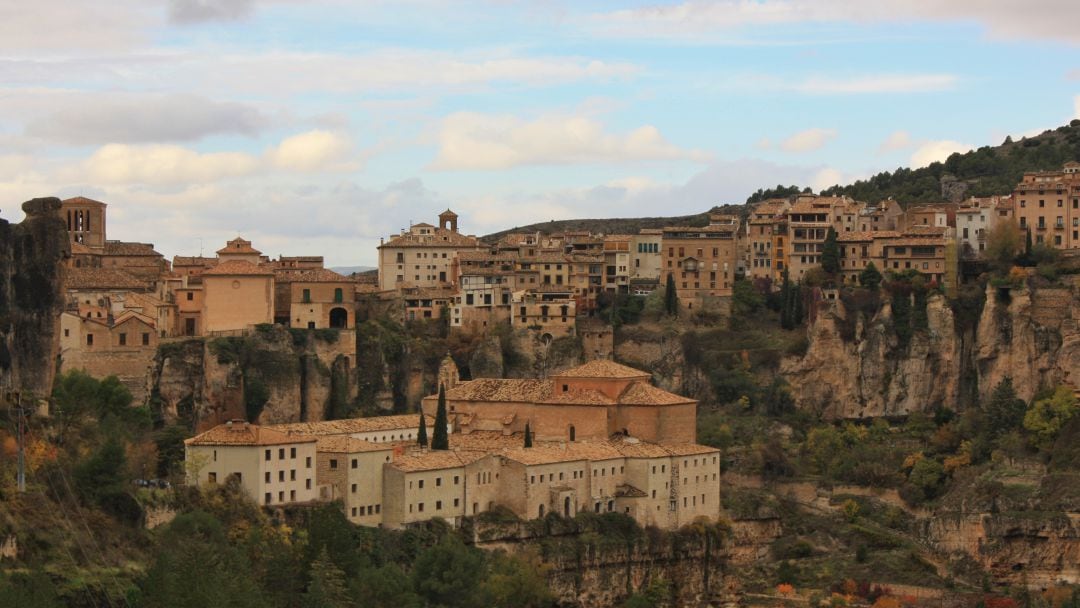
point(830, 253)
point(797, 318)
point(528, 436)
point(870, 278)
point(786, 303)
point(439, 439)
point(671, 298)
point(421, 433)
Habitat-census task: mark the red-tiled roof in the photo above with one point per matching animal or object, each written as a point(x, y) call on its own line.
point(237, 268)
point(243, 433)
point(101, 278)
point(602, 368)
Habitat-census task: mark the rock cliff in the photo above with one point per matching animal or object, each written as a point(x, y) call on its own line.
point(1030, 335)
point(31, 296)
point(270, 375)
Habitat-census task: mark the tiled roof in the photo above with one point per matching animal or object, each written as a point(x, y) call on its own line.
point(343, 444)
point(434, 460)
point(602, 368)
point(238, 245)
point(101, 278)
point(580, 397)
point(868, 235)
point(349, 426)
point(719, 229)
point(641, 393)
point(486, 441)
point(237, 268)
point(311, 275)
point(687, 449)
point(508, 390)
point(243, 433)
point(181, 260)
point(548, 453)
point(440, 237)
point(121, 248)
point(634, 448)
point(78, 248)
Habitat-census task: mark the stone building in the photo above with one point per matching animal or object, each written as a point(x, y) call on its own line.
point(424, 255)
point(350, 470)
point(85, 219)
point(645, 259)
point(1047, 204)
point(314, 299)
point(273, 467)
point(764, 240)
point(701, 260)
point(617, 263)
point(549, 310)
point(236, 295)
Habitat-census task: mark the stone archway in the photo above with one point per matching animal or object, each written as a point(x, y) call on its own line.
point(339, 318)
point(566, 507)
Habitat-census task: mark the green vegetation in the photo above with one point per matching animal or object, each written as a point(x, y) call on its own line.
point(440, 439)
point(671, 298)
point(986, 171)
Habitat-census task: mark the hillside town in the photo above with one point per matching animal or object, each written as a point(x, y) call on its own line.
point(597, 437)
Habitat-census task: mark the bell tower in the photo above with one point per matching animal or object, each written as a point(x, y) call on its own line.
point(448, 220)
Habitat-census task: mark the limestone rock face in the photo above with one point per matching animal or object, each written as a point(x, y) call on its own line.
point(288, 376)
point(871, 375)
point(1031, 336)
point(32, 296)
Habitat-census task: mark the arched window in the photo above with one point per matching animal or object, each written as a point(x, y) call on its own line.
point(566, 507)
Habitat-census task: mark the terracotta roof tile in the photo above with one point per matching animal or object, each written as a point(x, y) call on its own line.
point(310, 275)
point(238, 245)
point(102, 278)
point(343, 444)
point(433, 460)
point(82, 200)
point(492, 389)
point(562, 452)
point(194, 260)
point(349, 426)
point(243, 433)
point(641, 393)
point(602, 368)
point(440, 237)
point(237, 268)
point(121, 248)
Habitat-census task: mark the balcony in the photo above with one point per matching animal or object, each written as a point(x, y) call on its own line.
point(1040, 227)
point(1059, 226)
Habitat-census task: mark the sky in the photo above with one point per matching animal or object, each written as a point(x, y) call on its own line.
point(316, 127)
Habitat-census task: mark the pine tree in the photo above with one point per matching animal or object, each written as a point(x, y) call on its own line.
point(421, 433)
point(439, 439)
point(528, 436)
point(671, 298)
point(327, 588)
point(830, 253)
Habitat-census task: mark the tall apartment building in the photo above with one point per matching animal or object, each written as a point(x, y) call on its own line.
point(645, 258)
point(764, 239)
point(701, 260)
point(1047, 204)
point(808, 221)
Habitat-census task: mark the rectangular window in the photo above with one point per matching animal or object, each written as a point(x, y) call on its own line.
point(123, 339)
point(307, 296)
point(281, 476)
point(281, 454)
point(266, 478)
point(292, 452)
point(146, 339)
point(89, 339)
point(333, 463)
point(267, 455)
point(354, 488)
point(211, 477)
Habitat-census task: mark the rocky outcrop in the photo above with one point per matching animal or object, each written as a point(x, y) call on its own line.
point(1031, 336)
point(1032, 548)
point(270, 375)
point(32, 296)
point(594, 569)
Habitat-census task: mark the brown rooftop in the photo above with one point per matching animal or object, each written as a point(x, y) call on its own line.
point(602, 368)
point(121, 248)
point(343, 444)
point(238, 432)
point(237, 268)
point(349, 426)
point(82, 200)
point(238, 245)
point(310, 275)
point(101, 278)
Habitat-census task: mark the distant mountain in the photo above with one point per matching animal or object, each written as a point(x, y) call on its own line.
point(347, 270)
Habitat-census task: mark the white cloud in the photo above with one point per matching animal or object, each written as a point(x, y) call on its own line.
point(701, 19)
point(937, 151)
point(469, 140)
point(826, 178)
point(897, 140)
point(311, 151)
point(52, 25)
point(163, 164)
point(198, 11)
point(808, 140)
point(76, 118)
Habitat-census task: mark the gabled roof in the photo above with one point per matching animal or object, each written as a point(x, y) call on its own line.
point(238, 245)
point(505, 390)
point(194, 260)
point(602, 368)
point(438, 237)
point(237, 268)
point(344, 444)
point(238, 432)
point(435, 460)
point(640, 393)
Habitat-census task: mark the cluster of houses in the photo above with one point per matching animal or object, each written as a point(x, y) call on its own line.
point(603, 439)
